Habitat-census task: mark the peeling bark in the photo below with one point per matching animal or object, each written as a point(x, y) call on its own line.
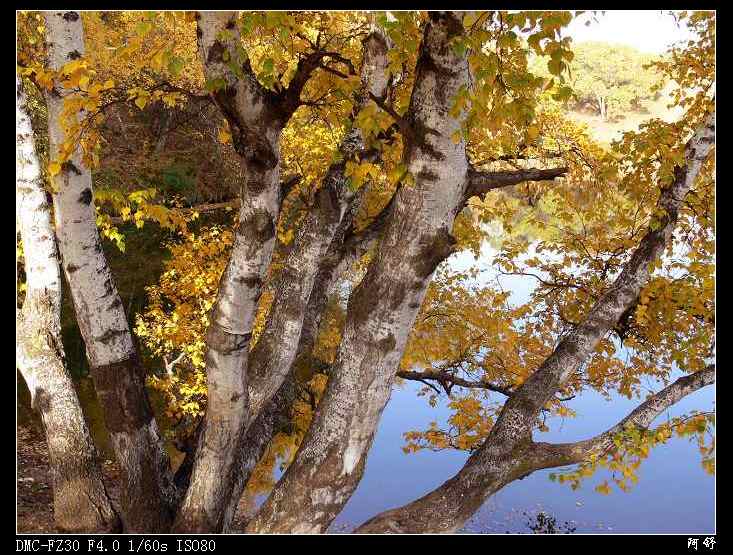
point(148, 491)
point(506, 454)
point(416, 239)
point(80, 501)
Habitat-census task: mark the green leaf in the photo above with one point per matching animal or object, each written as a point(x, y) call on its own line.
point(175, 66)
point(459, 47)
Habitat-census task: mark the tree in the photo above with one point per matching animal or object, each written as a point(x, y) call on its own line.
point(80, 499)
point(372, 147)
point(148, 492)
point(614, 79)
point(609, 78)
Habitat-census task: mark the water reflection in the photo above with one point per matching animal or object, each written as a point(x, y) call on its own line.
point(674, 494)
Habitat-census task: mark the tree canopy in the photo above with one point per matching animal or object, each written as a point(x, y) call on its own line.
point(313, 173)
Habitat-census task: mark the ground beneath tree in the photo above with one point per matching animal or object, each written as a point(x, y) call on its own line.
point(34, 499)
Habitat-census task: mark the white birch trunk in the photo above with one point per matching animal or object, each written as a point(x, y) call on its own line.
point(81, 503)
point(256, 127)
point(382, 310)
point(147, 487)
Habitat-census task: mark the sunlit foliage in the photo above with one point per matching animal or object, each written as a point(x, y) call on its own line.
point(570, 236)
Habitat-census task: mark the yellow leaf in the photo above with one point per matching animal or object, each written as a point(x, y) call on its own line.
point(224, 136)
point(157, 61)
point(603, 488)
point(54, 168)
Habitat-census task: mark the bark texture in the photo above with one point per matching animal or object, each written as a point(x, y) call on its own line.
point(275, 351)
point(479, 183)
point(507, 452)
point(256, 122)
point(148, 491)
point(272, 356)
point(276, 415)
point(81, 503)
point(416, 239)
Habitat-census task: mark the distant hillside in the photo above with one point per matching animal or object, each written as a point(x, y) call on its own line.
point(614, 88)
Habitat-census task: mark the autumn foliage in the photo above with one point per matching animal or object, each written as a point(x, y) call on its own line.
point(471, 342)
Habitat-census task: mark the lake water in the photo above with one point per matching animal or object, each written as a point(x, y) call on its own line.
point(674, 494)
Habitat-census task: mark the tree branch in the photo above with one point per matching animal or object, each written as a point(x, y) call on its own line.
point(448, 380)
point(548, 455)
point(286, 186)
point(290, 97)
point(516, 418)
point(169, 366)
point(443, 377)
point(480, 182)
point(402, 122)
point(507, 452)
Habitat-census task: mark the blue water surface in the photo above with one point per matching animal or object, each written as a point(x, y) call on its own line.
point(674, 493)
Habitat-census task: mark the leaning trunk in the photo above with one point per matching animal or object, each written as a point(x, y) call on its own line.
point(382, 310)
point(147, 487)
point(80, 501)
point(508, 451)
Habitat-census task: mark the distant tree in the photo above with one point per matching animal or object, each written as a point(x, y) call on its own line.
point(609, 78)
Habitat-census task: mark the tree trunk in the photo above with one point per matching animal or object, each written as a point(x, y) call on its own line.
point(382, 310)
point(147, 487)
point(507, 452)
point(467, 491)
point(272, 357)
point(80, 501)
point(602, 110)
point(345, 249)
point(249, 108)
point(334, 208)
